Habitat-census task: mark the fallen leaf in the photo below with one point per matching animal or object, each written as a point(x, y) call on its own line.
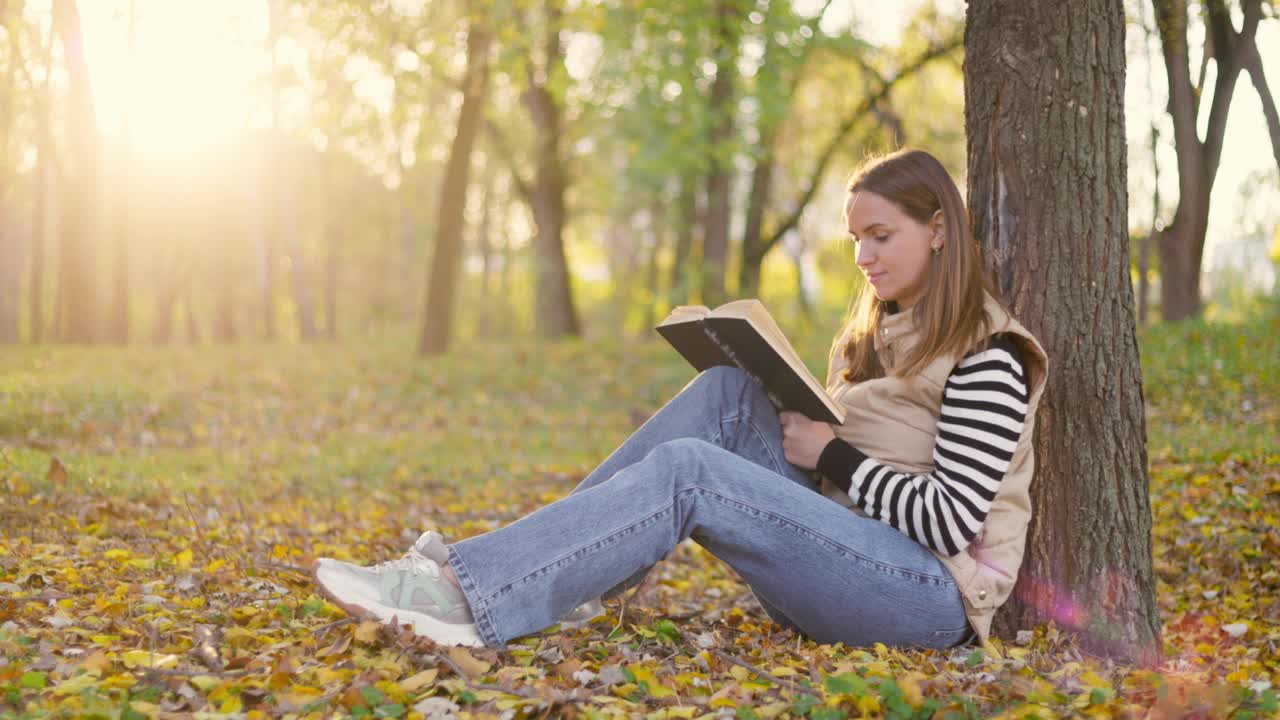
point(467, 662)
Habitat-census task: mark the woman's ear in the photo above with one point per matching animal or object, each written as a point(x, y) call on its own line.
point(937, 227)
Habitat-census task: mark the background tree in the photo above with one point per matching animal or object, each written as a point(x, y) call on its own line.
point(1049, 202)
point(446, 259)
point(77, 309)
point(1181, 243)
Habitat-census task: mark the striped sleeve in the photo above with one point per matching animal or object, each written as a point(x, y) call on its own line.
point(984, 408)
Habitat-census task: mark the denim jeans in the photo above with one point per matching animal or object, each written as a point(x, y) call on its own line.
point(710, 466)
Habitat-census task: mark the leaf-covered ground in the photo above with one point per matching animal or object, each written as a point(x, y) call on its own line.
point(160, 508)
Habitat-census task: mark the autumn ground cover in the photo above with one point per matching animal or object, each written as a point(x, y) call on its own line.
point(160, 507)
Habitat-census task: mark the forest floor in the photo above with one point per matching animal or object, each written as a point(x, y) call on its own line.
point(160, 507)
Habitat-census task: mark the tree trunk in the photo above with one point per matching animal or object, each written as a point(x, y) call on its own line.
point(77, 288)
point(715, 234)
point(484, 245)
point(10, 249)
point(43, 191)
point(682, 277)
point(1181, 245)
point(268, 216)
point(446, 260)
point(753, 248)
point(657, 229)
point(118, 323)
point(334, 232)
point(1044, 93)
point(554, 312)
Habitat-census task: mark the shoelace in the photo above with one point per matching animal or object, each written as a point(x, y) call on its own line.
point(413, 562)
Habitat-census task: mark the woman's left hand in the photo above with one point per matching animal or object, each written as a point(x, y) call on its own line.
point(803, 439)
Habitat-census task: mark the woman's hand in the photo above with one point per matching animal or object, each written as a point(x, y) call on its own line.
point(803, 439)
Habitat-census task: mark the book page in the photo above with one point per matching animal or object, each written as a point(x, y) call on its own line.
point(685, 313)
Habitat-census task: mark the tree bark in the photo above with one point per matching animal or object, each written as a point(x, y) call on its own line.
point(1044, 101)
point(715, 232)
point(77, 287)
point(554, 311)
point(446, 260)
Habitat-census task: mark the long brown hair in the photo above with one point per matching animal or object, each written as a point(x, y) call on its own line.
point(950, 314)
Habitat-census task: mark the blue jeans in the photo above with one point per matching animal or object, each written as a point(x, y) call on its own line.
point(710, 466)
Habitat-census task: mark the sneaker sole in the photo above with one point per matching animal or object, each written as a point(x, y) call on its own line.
point(424, 625)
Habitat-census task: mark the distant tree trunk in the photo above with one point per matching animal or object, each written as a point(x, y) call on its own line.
point(753, 249)
point(682, 276)
point(118, 323)
point(657, 232)
point(715, 234)
point(1181, 244)
point(188, 302)
point(335, 231)
point(446, 260)
point(484, 245)
point(166, 298)
point(1044, 117)
point(10, 260)
point(268, 178)
point(42, 192)
point(554, 312)
point(299, 278)
point(77, 288)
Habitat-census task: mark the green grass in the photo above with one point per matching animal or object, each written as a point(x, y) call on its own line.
point(251, 415)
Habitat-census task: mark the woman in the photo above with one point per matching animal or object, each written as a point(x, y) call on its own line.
point(929, 472)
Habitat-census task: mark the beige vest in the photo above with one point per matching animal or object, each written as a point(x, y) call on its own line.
point(895, 421)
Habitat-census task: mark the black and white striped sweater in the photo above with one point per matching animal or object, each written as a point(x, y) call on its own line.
point(984, 408)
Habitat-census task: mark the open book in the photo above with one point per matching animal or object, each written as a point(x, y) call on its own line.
point(743, 334)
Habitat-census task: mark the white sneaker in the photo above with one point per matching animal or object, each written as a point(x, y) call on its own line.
point(431, 545)
point(409, 590)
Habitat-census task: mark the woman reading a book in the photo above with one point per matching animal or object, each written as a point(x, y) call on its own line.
point(911, 530)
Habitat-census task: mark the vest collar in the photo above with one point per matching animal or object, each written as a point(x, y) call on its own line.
point(893, 327)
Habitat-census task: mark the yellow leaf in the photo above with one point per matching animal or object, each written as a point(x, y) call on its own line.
point(75, 685)
point(468, 662)
point(117, 554)
point(782, 671)
point(1239, 676)
point(215, 565)
point(415, 682)
point(722, 701)
point(97, 662)
point(367, 631)
point(243, 613)
point(869, 705)
point(144, 659)
point(646, 676)
point(184, 559)
point(1089, 678)
point(911, 692)
point(232, 704)
point(739, 673)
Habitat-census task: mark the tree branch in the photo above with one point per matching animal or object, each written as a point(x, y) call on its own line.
point(1226, 41)
point(1251, 61)
point(828, 151)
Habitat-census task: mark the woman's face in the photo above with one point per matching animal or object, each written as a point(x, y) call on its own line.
point(894, 250)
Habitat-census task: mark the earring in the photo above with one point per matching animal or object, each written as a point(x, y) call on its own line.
point(937, 249)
